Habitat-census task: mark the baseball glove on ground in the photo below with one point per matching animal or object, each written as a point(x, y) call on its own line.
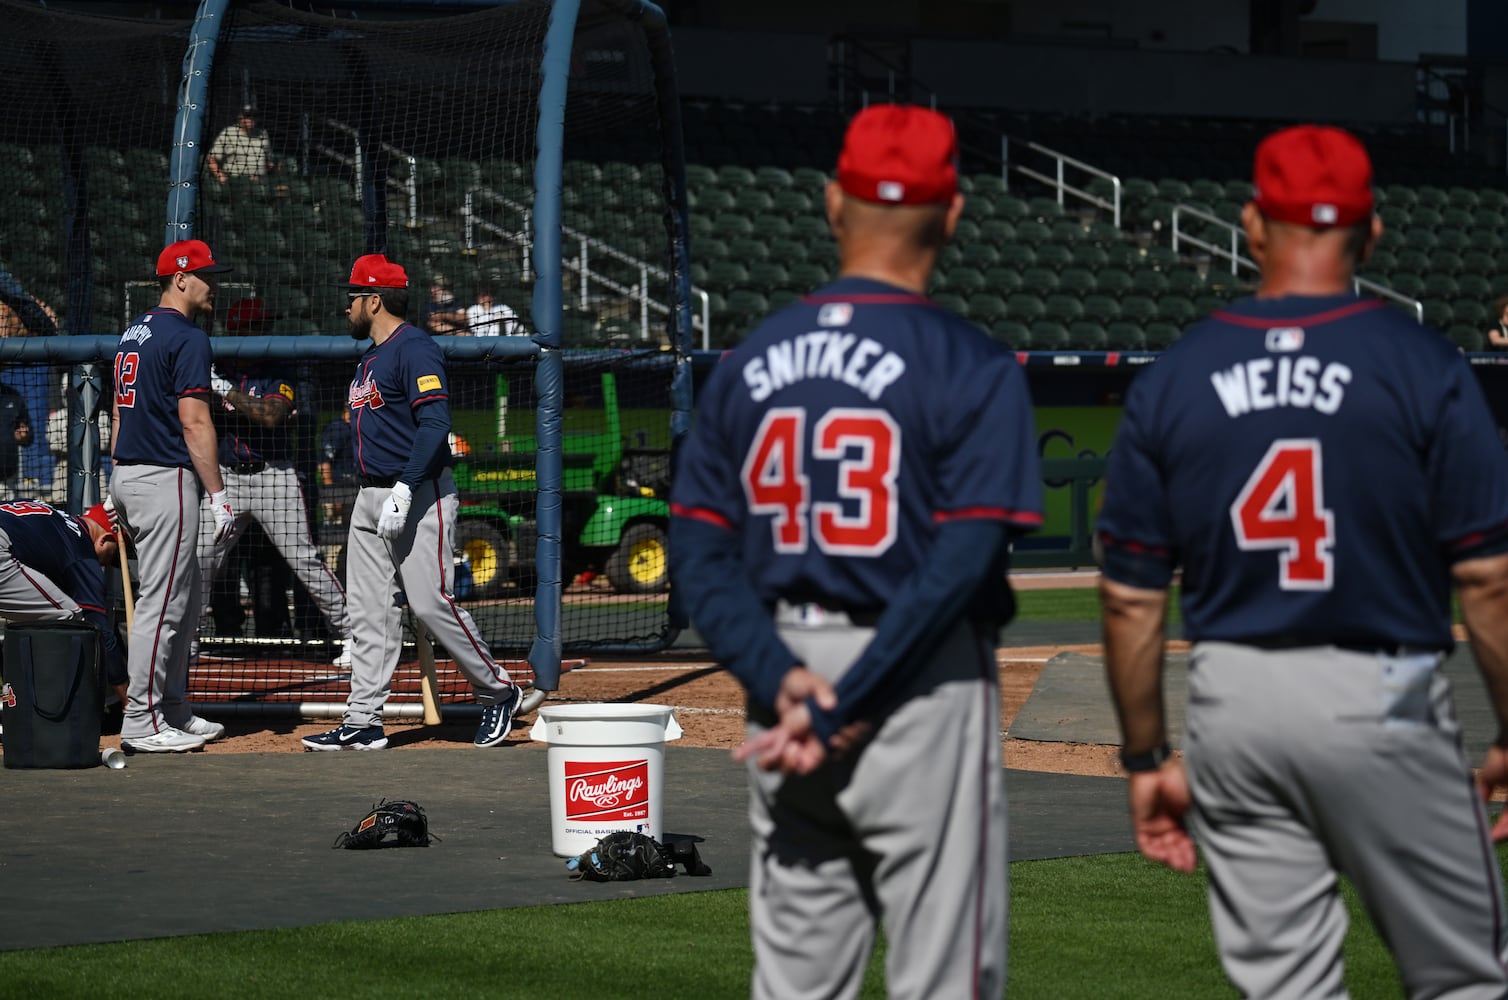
point(403, 819)
point(622, 857)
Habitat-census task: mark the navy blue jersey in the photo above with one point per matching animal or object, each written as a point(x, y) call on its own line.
point(1315, 465)
point(393, 380)
point(58, 546)
point(844, 429)
point(161, 358)
point(243, 440)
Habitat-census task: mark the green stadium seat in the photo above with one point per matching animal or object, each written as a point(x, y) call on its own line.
point(1049, 336)
point(1124, 336)
point(1078, 280)
point(732, 224)
point(1468, 338)
point(1138, 308)
point(1138, 189)
point(726, 274)
point(1055, 255)
point(753, 201)
point(1439, 285)
point(1068, 231)
point(979, 254)
point(1479, 262)
point(1174, 189)
point(1017, 255)
point(1011, 208)
point(698, 273)
point(952, 302)
point(1178, 309)
point(1208, 303)
point(1420, 237)
point(987, 309)
point(810, 274)
point(991, 185)
point(1439, 314)
point(1160, 334)
point(811, 228)
point(1041, 280)
point(710, 248)
point(748, 249)
point(770, 226)
point(773, 178)
point(1406, 283)
point(967, 231)
point(734, 175)
point(1012, 333)
point(1026, 307)
point(1451, 238)
point(1445, 261)
point(699, 175)
point(1086, 335)
point(1103, 308)
point(809, 178)
point(1063, 308)
point(965, 280)
point(1002, 280)
point(1033, 232)
point(1410, 259)
point(1484, 238)
point(710, 200)
point(1113, 281)
point(782, 297)
point(997, 231)
point(1471, 311)
point(1423, 215)
point(950, 256)
point(768, 275)
point(1123, 255)
point(1185, 281)
point(1090, 255)
point(748, 302)
point(1474, 286)
point(1400, 194)
point(1431, 196)
point(1146, 281)
point(787, 251)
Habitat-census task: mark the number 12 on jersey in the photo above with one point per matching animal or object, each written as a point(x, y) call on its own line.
point(1282, 506)
point(865, 444)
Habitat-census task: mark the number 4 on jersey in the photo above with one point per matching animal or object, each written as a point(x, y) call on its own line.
point(1282, 506)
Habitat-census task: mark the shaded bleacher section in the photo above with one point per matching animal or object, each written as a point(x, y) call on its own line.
point(1038, 271)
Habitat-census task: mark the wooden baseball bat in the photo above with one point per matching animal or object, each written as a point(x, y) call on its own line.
point(427, 681)
point(125, 577)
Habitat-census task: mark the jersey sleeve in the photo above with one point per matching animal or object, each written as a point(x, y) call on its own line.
point(422, 369)
point(989, 466)
point(1133, 527)
point(706, 486)
point(191, 365)
point(1468, 469)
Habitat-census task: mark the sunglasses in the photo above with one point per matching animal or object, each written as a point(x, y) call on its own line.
point(353, 296)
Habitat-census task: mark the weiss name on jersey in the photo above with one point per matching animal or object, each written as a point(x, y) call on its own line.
point(843, 357)
point(1266, 383)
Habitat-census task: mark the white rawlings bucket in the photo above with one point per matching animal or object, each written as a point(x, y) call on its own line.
point(607, 770)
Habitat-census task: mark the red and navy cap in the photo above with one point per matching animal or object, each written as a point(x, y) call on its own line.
point(190, 257)
point(98, 516)
point(1313, 175)
point(374, 271)
point(900, 155)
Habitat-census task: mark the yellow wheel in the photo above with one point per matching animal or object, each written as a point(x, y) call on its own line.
point(486, 550)
point(641, 563)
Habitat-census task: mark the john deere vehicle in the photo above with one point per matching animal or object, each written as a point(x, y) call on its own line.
point(616, 508)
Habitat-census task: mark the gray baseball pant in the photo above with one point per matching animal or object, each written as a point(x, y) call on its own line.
point(1305, 762)
point(29, 596)
point(268, 497)
point(160, 507)
point(419, 565)
point(911, 830)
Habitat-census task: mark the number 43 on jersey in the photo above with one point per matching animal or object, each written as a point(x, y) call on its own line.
point(866, 445)
point(1282, 507)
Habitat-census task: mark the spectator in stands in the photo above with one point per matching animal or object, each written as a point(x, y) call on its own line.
point(490, 318)
point(15, 434)
point(441, 316)
point(1497, 335)
point(337, 467)
point(241, 150)
point(23, 315)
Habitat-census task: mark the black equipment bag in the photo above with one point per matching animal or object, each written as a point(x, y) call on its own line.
point(52, 702)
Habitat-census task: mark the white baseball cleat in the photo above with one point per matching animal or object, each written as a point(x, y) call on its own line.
point(203, 728)
point(169, 740)
point(343, 661)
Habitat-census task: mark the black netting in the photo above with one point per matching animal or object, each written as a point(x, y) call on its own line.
point(324, 138)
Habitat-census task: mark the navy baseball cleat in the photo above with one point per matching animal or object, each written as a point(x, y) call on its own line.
point(345, 737)
point(497, 719)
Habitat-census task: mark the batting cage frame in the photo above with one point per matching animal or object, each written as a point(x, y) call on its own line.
point(556, 111)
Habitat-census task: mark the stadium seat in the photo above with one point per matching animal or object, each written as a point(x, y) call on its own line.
point(782, 297)
point(950, 256)
point(1185, 281)
point(966, 281)
point(709, 200)
point(1103, 308)
point(1431, 196)
point(1176, 309)
point(1439, 285)
point(1208, 303)
point(1090, 255)
point(1068, 231)
point(967, 231)
point(809, 178)
point(1471, 311)
point(1138, 309)
point(1487, 238)
point(1145, 281)
point(753, 201)
point(1078, 280)
point(710, 248)
point(1026, 307)
point(699, 175)
point(733, 224)
point(1467, 338)
point(1160, 334)
point(987, 309)
point(1492, 199)
point(997, 231)
point(1443, 261)
point(1474, 286)
point(1055, 255)
point(787, 251)
point(809, 274)
point(1406, 283)
point(727, 274)
point(767, 275)
point(1017, 255)
point(1008, 206)
point(1422, 215)
point(979, 254)
point(812, 228)
point(771, 226)
point(1439, 314)
point(1063, 309)
point(1086, 335)
point(1049, 336)
point(1012, 333)
point(1033, 232)
point(1410, 259)
point(1123, 336)
point(1040, 280)
point(1003, 280)
point(1420, 237)
point(748, 249)
point(773, 178)
point(951, 302)
point(1113, 281)
point(991, 185)
point(734, 175)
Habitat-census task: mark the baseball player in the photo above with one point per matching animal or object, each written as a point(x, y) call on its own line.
point(1322, 468)
point(256, 463)
point(163, 448)
point(841, 521)
point(402, 540)
point(51, 571)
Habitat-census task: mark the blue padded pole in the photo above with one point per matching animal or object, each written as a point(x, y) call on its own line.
point(549, 375)
point(188, 123)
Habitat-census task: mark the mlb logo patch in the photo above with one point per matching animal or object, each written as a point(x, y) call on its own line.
point(835, 314)
point(182, 260)
point(1285, 339)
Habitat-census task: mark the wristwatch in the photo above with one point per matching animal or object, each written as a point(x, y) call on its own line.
point(1149, 760)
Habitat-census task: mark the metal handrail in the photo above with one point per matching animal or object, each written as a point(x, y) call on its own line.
point(1057, 181)
point(1238, 261)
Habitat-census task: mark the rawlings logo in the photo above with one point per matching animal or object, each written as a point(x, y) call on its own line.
point(8, 697)
point(607, 790)
point(365, 394)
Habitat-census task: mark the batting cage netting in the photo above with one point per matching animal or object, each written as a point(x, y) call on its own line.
point(521, 161)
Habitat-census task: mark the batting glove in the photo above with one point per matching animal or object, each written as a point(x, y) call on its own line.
point(109, 506)
point(219, 382)
point(395, 512)
point(225, 518)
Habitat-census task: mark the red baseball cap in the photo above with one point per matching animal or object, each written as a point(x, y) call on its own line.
point(376, 271)
point(1313, 175)
point(98, 516)
point(189, 256)
point(244, 313)
point(900, 155)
